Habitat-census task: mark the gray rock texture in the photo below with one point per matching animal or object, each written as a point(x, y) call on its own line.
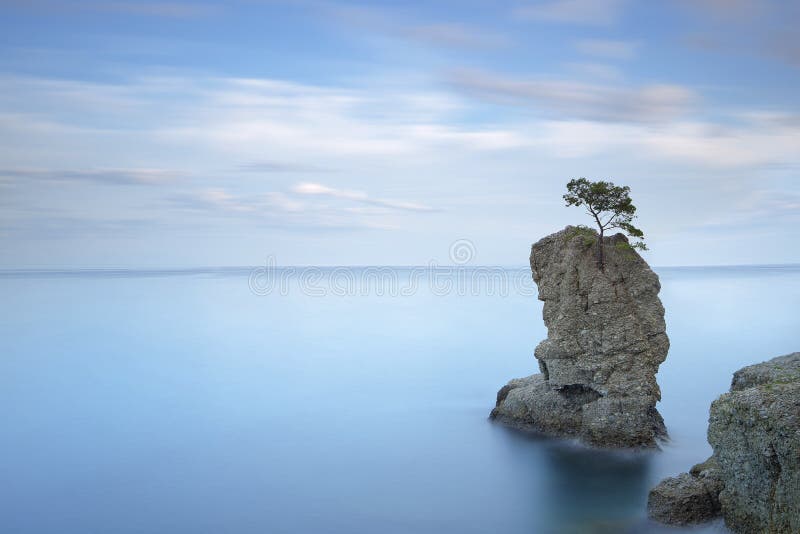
point(688, 498)
point(755, 433)
point(755, 470)
point(606, 338)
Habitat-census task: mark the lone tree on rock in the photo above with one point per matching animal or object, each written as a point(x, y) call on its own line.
point(609, 205)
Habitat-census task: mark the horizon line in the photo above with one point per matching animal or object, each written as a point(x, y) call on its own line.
point(211, 268)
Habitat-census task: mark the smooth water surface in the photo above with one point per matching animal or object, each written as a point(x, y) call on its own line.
point(183, 402)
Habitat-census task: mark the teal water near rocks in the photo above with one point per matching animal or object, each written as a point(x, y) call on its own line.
point(186, 402)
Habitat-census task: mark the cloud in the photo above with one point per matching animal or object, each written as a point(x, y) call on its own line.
point(158, 9)
point(587, 12)
point(282, 167)
point(148, 9)
point(396, 24)
point(214, 200)
point(249, 116)
point(357, 196)
point(48, 226)
point(455, 36)
point(299, 208)
point(596, 71)
point(261, 120)
point(703, 41)
point(607, 48)
point(757, 208)
point(767, 202)
point(755, 141)
point(729, 9)
point(765, 28)
point(651, 103)
point(783, 45)
point(438, 143)
point(100, 176)
point(284, 127)
point(279, 208)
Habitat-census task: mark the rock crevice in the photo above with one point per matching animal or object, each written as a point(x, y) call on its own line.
point(606, 338)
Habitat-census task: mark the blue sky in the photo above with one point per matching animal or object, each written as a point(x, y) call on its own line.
point(141, 134)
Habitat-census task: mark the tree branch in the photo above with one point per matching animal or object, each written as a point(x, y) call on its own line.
point(610, 219)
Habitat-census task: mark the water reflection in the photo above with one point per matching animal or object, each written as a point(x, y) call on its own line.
point(590, 488)
point(581, 490)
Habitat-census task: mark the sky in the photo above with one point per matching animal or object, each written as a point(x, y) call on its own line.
point(327, 132)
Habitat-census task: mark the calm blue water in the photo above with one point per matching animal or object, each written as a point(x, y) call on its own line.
point(182, 402)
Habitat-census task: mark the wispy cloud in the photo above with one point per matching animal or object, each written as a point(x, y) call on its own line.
point(753, 142)
point(454, 35)
point(159, 9)
point(595, 71)
point(784, 45)
point(588, 12)
point(301, 206)
point(730, 9)
point(764, 28)
point(145, 8)
point(327, 123)
point(224, 202)
point(607, 48)
point(758, 208)
point(101, 176)
point(65, 226)
point(273, 121)
point(282, 167)
point(357, 196)
point(292, 128)
point(288, 128)
point(397, 24)
point(651, 103)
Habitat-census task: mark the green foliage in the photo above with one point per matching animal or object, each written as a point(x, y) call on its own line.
point(609, 205)
point(588, 235)
point(625, 249)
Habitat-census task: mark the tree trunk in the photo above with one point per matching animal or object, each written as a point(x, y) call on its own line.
point(601, 260)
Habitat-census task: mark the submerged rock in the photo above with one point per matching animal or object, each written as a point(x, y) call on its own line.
point(606, 338)
point(754, 472)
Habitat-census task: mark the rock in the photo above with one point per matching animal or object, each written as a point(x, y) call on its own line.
point(688, 498)
point(682, 500)
point(754, 473)
point(606, 339)
point(780, 370)
point(755, 433)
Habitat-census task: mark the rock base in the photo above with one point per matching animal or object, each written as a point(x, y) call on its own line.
point(576, 412)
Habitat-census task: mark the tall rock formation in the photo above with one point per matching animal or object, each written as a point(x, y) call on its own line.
point(754, 473)
point(606, 338)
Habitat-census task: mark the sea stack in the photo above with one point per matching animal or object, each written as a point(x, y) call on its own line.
point(606, 338)
point(753, 477)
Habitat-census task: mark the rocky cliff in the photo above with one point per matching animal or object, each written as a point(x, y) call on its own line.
point(754, 474)
point(605, 341)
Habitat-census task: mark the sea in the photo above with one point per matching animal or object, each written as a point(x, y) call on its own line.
point(335, 400)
